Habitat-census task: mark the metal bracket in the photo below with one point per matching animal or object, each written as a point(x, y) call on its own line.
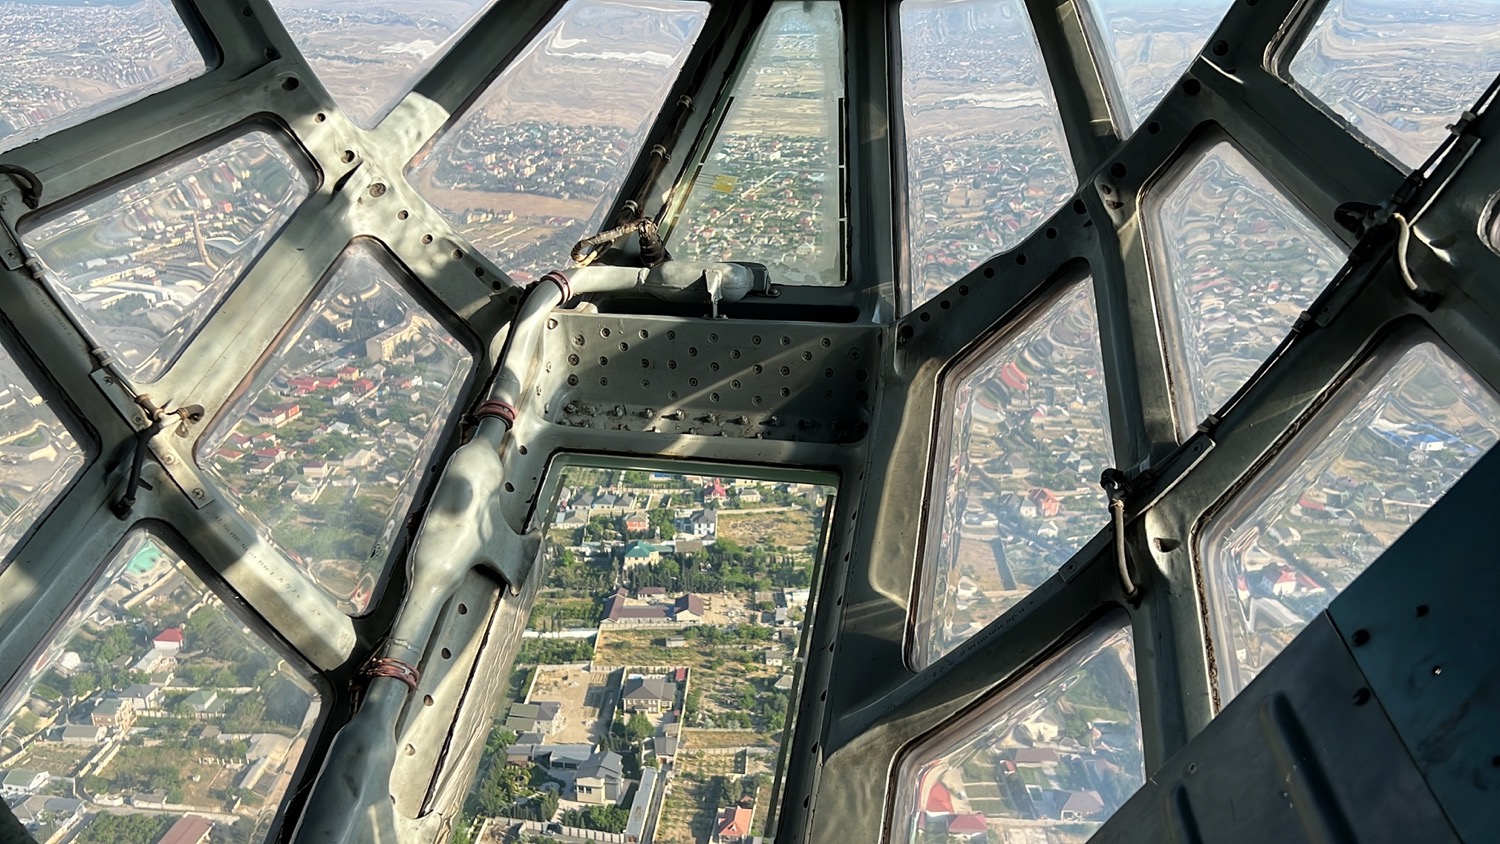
point(1117, 487)
point(12, 205)
point(182, 470)
point(1129, 497)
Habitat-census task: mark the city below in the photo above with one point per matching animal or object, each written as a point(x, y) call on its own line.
point(653, 695)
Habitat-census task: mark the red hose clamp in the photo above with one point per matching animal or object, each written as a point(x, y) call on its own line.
point(384, 666)
point(561, 281)
point(498, 409)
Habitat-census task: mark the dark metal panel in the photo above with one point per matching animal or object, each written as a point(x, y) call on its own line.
point(873, 161)
point(1422, 625)
point(774, 380)
point(866, 736)
point(1075, 75)
point(1305, 753)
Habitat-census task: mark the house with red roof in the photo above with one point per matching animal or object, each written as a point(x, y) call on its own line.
point(1012, 377)
point(190, 829)
point(169, 641)
point(734, 825)
point(1046, 502)
point(939, 800)
point(971, 825)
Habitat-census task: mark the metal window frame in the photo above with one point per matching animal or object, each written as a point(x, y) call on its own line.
point(861, 703)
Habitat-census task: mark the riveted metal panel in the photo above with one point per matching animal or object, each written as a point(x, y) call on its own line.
point(737, 378)
point(1304, 753)
point(1421, 623)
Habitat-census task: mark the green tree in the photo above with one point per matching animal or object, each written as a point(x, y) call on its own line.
point(499, 739)
point(463, 831)
point(125, 829)
point(638, 728)
point(601, 818)
point(26, 723)
point(662, 522)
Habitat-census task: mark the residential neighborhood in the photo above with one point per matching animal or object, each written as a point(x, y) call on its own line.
point(1028, 438)
point(75, 61)
point(1312, 527)
point(324, 451)
point(38, 454)
point(1044, 762)
point(143, 266)
point(657, 673)
point(767, 190)
point(155, 715)
point(524, 174)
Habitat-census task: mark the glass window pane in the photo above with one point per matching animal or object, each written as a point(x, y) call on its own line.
point(1016, 490)
point(1292, 540)
point(38, 456)
point(324, 450)
point(370, 54)
point(155, 705)
point(1146, 46)
point(142, 268)
point(768, 190)
point(1400, 73)
point(67, 62)
point(525, 173)
point(1236, 262)
point(1047, 761)
point(683, 597)
point(986, 158)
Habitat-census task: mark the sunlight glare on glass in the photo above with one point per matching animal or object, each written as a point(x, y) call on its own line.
point(1300, 536)
point(67, 62)
point(324, 450)
point(143, 267)
point(1056, 754)
point(1235, 262)
point(1147, 45)
point(536, 162)
point(38, 455)
point(1400, 73)
point(768, 190)
point(369, 54)
point(1016, 480)
point(986, 157)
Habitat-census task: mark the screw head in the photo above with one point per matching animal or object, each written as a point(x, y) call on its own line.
point(198, 493)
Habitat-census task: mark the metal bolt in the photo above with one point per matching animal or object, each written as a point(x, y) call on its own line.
point(168, 458)
point(198, 493)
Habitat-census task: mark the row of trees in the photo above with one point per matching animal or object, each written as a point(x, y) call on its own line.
point(717, 569)
point(555, 651)
point(602, 818)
